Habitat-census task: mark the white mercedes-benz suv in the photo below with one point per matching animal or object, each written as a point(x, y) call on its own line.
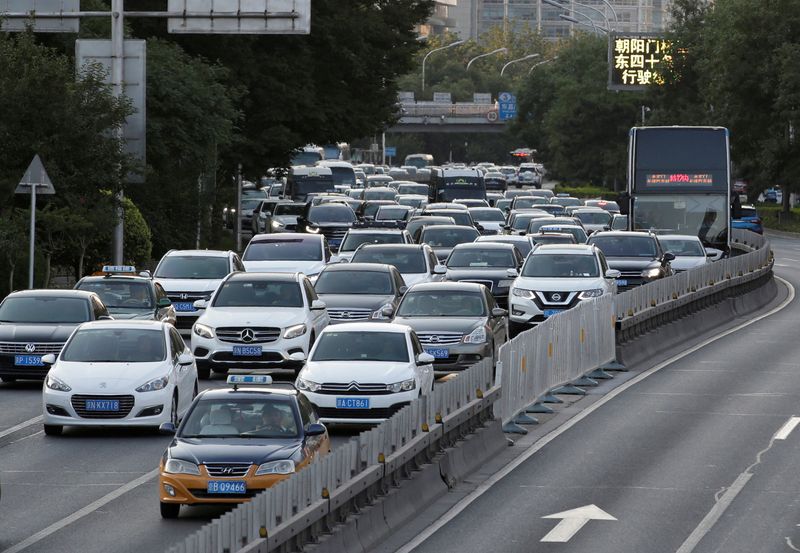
point(555, 277)
point(258, 320)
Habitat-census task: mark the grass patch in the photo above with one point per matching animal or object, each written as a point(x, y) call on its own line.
point(586, 191)
point(773, 218)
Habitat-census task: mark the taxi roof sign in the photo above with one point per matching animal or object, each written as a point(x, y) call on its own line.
point(119, 269)
point(249, 380)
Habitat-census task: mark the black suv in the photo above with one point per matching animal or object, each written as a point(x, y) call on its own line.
point(332, 220)
point(638, 256)
point(34, 323)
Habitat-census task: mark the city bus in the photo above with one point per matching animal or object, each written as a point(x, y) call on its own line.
point(679, 182)
point(303, 181)
point(455, 184)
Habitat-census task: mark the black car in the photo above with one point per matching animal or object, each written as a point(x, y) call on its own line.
point(130, 296)
point(443, 238)
point(360, 291)
point(369, 208)
point(638, 256)
point(332, 220)
point(34, 323)
point(494, 265)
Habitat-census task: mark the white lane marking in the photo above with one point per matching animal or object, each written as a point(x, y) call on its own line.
point(787, 428)
point(456, 509)
point(572, 521)
point(77, 515)
point(21, 425)
point(790, 544)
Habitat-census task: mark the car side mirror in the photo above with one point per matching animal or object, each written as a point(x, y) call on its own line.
point(316, 429)
point(105, 318)
point(403, 290)
point(424, 359)
point(167, 428)
point(298, 356)
point(440, 270)
point(387, 312)
point(48, 359)
point(185, 359)
point(669, 256)
point(499, 312)
point(512, 273)
point(613, 273)
point(200, 304)
point(164, 302)
point(318, 305)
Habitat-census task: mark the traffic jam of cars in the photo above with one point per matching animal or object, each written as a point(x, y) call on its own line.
point(353, 296)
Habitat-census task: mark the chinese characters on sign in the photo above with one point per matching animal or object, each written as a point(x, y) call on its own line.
point(670, 179)
point(636, 61)
point(507, 106)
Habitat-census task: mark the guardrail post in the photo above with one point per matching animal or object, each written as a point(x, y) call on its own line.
point(568, 390)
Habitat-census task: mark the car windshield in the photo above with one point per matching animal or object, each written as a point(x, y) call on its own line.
point(421, 189)
point(121, 294)
point(475, 257)
point(283, 249)
point(193, 267)
point(552, 239)
point(407, 262)
point(259, 293)
point(593, 217)
point(521, 222)
point(361, 346)
point(626, 246)
point(748, 212)
point(372, 194)
point(442, 303)
point(438, 237)
point(44, 309)
point(241, 418)
point(688, 248)
point(566, 201)
point(523, 203)
point(371, 209)
point(116, 345)
point(391, 214)
point(289, 209)
point(488, 215)
point(250, 204)
point(619, 223)
point(352, 241)
point(559, 265)
point(354, 282)
point(331, 213)
point(460, 217)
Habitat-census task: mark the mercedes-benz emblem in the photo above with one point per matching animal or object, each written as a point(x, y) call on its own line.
point(247, 335)
point(184, 296)
point(30, 348)
point(556, 297)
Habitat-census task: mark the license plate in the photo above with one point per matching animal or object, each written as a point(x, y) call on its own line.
point(184, 306)
point(438, 353)
point(352, 403)
point(226, 486)
point(247, 351)
point(335, 242)
point(102, 405)
point(28, 360)
point(622, 282)
point(551, 312)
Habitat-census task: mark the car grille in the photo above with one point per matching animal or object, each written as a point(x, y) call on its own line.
point(187, 296)
point(557, 298)
point(352, 389)
point(439, 338)
point(544, 300)
point(383, 413)
point(229, 357)
point(40, 348)
point(203, 494)
point(185, 322)
point(349, 314)
point(227, 469)
point(488, 283)
point(334, 233)
point(79, 404)
point(257, 335)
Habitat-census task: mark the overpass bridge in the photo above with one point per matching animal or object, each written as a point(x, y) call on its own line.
point(434, 117)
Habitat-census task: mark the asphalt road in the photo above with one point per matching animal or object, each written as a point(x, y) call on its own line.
point(699, 457)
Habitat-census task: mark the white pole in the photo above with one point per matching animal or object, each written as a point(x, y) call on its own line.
point(239, 210)
point(117, 80)
point(383, 147)
point(33, 233)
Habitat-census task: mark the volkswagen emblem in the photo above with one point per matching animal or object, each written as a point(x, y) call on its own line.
point(248, 335)
point(556, 297)
point(30, 348)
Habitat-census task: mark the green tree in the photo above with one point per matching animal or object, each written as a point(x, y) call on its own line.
point(13, 242)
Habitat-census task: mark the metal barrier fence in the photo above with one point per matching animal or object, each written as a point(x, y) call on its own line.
point(447, 110)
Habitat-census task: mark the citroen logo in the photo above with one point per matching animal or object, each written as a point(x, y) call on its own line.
point(30, 348)
point(353, 386)
point(556, 297)
point(247, 335)
point(184, 296)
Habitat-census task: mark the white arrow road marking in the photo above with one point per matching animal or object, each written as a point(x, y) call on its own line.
point(572, 521)
point(787, 428)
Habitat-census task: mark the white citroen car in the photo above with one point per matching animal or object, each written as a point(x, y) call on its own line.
point(119, 373)
point(556, 277)
point(258, 320)
point(363, 373)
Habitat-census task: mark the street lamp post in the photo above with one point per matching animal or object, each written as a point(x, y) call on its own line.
point(535, 65)
point(573, 20)
point(485, 55)
point(556, 4)
point(528, 57)
point(456, 43)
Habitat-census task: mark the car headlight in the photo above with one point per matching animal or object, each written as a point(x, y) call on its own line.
point(154, 385)
point(404, 386)
point(379, 313)
point(179, 466)
point(655, 272)
point(595, 293)
point(522, 293)
point(307, 385)
point(505, 283)
point(55, 384)
point(314, 230)
point(277, 225)
point(294, 331)
point(203, 331)
point(285, 466)
point(477, 336)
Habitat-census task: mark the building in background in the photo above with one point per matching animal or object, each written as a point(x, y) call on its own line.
point(472, 18)
point(441, 20)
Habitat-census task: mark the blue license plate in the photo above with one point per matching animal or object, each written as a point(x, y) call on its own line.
point(184, 306)
point(551, 312)
point(226, 486)
point(622, 282)
point(102, 405)
point(28, 360)
point(352, 403)
point(438, 353)
point(247, 351)
point(335, 242)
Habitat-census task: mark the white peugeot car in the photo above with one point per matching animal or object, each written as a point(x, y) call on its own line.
point(287, 253)
point(258, 320)
point(363, 373)
point(556, 277)
point(119, 373)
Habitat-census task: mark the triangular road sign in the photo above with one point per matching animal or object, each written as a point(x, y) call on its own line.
point(35, 175)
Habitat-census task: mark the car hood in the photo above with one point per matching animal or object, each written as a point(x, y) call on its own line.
point(360, 301)
point(356, 371)
point(415, 278)
point(233, 450)
point(107, 378)
point(33, 332)
point(478, 273)
point(131, 314)
point(591, 227)
point(256, 316)
point(685, 262)
point(285, 219)
point(465, 325)
point(442, 253)
point(307, 267)
point(560, 284)
point(492, 225)
point(632, 263)
point(188, 284)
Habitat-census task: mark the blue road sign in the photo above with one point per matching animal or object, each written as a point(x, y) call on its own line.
point(507, 106)
point(391, 151)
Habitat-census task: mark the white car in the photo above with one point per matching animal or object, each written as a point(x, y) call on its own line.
point(258, 320)
point(491, 219)
point(556, 277)
point(191, 275)
point(688, 250)
point(119, 373)
point(416, 262)
point(287, 253)
point(357, 236)
point(363, 373)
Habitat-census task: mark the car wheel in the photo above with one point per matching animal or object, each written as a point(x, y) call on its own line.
point(8, 379)
point(173, 413)
point(53, 429)
point(170, 510)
